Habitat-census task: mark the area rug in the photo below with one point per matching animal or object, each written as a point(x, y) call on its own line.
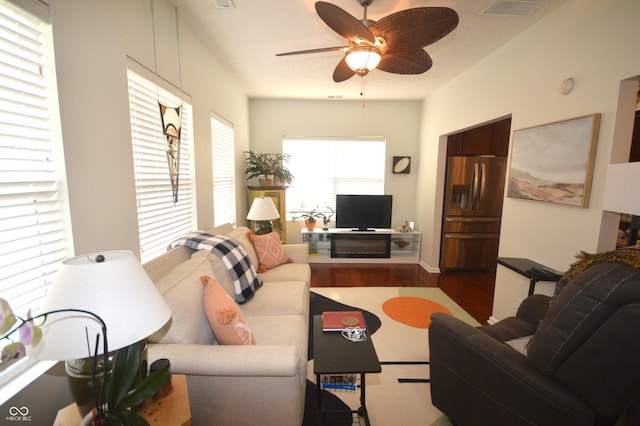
point(401, 393)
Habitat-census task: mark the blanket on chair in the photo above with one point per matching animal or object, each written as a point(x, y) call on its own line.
point(628, 255)
point(244, 276)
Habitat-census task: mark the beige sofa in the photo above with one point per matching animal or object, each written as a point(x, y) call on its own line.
point(234, 384)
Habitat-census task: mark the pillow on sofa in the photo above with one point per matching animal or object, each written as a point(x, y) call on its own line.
point(226, 320)
point(269, 250)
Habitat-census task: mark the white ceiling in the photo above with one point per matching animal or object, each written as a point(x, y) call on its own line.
point(246, 39)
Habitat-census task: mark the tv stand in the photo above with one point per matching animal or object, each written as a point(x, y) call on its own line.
point(363, 230)
point(345, 245)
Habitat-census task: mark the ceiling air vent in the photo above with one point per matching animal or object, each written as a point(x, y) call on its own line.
point(225, 4)
point(511, 7)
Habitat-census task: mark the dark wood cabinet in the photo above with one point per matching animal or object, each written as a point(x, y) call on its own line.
point(489, 139)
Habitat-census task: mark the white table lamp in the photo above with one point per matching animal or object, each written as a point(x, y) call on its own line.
point(262, 211)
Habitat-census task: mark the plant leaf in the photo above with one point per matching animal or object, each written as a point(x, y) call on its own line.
point(123, 374)
point(145, 389)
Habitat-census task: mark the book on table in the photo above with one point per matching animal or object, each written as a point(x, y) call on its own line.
point(341, 320)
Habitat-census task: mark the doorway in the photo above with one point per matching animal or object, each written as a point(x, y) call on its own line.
point(474, 193)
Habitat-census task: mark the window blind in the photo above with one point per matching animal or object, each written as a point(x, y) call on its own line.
point(222, 161)
point(35, 231)
point(160, 220)
point(323, 168)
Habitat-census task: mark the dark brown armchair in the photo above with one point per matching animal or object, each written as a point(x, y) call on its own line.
point(581, 367)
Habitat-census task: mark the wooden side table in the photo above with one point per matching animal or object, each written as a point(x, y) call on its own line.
point(171, 410)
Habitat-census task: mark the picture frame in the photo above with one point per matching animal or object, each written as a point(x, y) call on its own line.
point(401, 165)
point(553, 163)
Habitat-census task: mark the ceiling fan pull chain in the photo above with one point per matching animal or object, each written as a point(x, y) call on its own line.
point(362, 91)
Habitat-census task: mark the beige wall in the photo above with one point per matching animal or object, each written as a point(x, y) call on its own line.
point(92, 42)
point(592, 41)
point(398, 122)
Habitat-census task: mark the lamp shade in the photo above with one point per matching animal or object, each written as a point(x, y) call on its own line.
point(112, 285)
point(619, 193)
point(263, 208)
point(363, 58)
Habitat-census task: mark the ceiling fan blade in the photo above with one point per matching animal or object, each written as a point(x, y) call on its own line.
point(319, 50)
point(414, 61)
point(416, 27)
point(342, 71)
point(342, 22)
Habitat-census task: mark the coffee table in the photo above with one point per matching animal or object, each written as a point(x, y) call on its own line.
point(333, 354)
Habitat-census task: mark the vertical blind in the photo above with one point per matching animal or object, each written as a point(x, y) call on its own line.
point(35, 230)
point(323, 168)
point(160, 220)
point(222, 161)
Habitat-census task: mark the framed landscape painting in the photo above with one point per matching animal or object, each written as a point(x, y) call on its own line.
point(553, 163)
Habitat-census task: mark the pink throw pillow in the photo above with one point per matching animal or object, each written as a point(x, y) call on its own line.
point(226, 320)
point(269, 249)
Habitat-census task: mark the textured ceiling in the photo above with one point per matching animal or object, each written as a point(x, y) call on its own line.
point(246, 39)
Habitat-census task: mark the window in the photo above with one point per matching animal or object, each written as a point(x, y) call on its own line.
point(35, 229)
point(222, 161)
point(160, 219)
point(323, 168)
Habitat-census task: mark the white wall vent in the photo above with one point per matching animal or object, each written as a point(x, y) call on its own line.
point(225, 4)
point(511, 7)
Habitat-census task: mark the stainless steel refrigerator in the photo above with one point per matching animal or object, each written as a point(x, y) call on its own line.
point(474, 190)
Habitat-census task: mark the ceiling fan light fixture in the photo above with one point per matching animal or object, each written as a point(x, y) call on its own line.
point(363, 58)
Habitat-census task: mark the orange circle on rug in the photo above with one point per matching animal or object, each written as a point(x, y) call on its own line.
point(412, 311)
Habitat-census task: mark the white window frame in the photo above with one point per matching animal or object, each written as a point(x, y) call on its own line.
point(323, 167)
point(160, 220)
point(35, 236)
point(223, 171)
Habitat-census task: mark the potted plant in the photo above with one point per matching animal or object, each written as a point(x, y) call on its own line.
point(311, 216)
point(123, 389)
point(326, 218)
point(268, 168)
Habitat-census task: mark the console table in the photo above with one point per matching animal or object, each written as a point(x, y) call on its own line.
point(528, 268)
point(346, 246)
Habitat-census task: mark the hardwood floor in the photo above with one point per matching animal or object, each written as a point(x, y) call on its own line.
point(472, 291)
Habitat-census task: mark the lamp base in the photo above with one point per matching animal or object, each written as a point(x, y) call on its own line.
point(82, 382)
point(262, 227)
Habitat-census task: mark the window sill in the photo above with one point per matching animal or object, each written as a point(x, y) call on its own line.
point(20, 375)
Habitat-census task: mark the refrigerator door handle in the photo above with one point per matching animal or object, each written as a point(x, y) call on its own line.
point(474, 187)
point(482, 185)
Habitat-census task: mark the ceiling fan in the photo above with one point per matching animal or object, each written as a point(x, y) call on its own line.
point(393, 44)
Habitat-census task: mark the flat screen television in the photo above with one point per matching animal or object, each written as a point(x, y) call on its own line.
point(363, 212)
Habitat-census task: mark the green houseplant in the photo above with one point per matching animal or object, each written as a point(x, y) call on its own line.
point(311, 216)
point(113, 399)
point(268, 167)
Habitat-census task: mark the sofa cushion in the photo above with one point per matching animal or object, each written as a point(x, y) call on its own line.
point(285, 330)
point(183, 291)
point(288, 272)
point(227, 322)
point(279, 298)
point(269, 249)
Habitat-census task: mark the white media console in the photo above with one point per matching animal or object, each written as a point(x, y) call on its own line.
point(347, 246)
